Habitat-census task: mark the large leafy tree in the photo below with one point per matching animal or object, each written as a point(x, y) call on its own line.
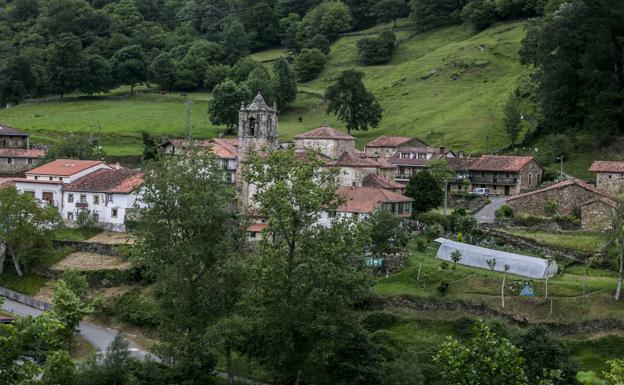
point(65, 65)
point(162, 71)
point(425, 189)
point(74, 147)
point(435, 13)
point(285, 83)
point(234, 41)
point(309, 63)
point(129, 66)
point(391, 10)
point(581, 58)
point(96, 75)
point(69, 309)
point(18, 79)
point(227, 98)
point(24, 226)
point(349, 99)
point(260, 81)
point(187, 238)
point(485, 359)
point(307, 277)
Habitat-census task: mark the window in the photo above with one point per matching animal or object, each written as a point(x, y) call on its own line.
point(96, 199)
point(9, 160)
point(70, 198)
point(83, 198)
point(422, 155)
point(30, 161)
point(109, 197)
point(70, 216)
point(114, 213)
point(331, 214)
point(36, 177)
point(61, 179)
point(610, 176)
point(252, 235)
point(51, 178)
point(252, 127)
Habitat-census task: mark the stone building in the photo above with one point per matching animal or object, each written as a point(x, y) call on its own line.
point(13, 138)
point(505, 175)
point(597, 214)
point(410, 160)
point(257, 134)
point(609, 175)
point(224, 149)
point(386, 146)
point(330, 142)
point(566, 197)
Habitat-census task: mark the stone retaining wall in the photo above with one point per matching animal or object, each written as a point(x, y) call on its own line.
point(25, 299)
point(89, 247)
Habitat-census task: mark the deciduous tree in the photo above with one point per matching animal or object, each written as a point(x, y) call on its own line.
point(225, 104)
point(129, 66)
point(425, 190)
point(352, 103)
point(285, 83)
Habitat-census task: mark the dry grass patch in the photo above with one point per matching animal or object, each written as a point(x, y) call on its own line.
point(90, 261)
point(112, 238)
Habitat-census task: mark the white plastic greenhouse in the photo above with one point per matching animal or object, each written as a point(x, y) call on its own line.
point(476, 256)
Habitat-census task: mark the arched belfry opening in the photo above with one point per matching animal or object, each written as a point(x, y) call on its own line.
point(251, 126)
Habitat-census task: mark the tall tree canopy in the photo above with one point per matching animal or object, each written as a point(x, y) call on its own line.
point(349, 99)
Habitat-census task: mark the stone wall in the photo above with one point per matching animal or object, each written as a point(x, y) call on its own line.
point(530, 176)
point(17, 166)
point(596, 216)
point(13, 141)
point(609, 182)
point(567, 199)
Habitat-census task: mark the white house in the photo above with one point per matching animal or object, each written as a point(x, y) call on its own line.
point(109, 195)
point(75, 185)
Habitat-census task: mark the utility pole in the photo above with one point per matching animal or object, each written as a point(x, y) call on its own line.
point(560, 159)
point(445, 195)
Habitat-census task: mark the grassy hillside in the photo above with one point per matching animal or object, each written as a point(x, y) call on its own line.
point(459, 105)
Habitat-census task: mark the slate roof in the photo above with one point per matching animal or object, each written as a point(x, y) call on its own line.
point(10, 131)
point(389, 141)
point(607, 166)
point(108, 181)
point(560, 185)
point(325, 132)
point(379, 181)
point(64, 167)
point(501, 163)
point(365, 200)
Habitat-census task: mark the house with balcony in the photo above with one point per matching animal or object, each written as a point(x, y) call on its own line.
point(410, 160)
point(505, 175)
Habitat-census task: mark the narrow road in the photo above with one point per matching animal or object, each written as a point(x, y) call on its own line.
point(487, 214)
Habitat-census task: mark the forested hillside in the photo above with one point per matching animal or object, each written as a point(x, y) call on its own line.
point(481, 75)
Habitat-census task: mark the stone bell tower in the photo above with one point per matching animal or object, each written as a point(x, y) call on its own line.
point(257, 133)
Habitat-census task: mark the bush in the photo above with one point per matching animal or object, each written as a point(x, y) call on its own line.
point(137, 309)
point(431, 218)
point(421, 244)
point(379, 320)
point(215, 74)
point(505, 211)
point(85, 219)
point(319, 42)
point(443, 287)
point(550, 208)
point(479, 14)
point(527, 220)
point(309, 64)
point(376, 50)
point(433, 231)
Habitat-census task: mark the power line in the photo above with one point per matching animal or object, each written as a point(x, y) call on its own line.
point(125, 28)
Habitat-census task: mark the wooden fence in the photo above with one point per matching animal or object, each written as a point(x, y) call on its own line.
point(25, 299)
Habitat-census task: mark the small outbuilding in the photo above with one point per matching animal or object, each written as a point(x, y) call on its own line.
point(476, 256)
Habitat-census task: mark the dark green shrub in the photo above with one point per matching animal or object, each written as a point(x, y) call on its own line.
point(550, 208)
point(479, 14)
point(309, 64)
point(376, 50)
point(379, 320)
point(421, 244)
point(137, 309)
point(443, 287)
point(505, 211)
point(527, 220)
point(433, 231)
point(431, 218)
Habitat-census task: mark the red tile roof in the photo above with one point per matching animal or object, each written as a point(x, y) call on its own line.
point(460, 163)
point(257, 227)
point(325, 132)
point(64, 167)
point(21, 153)
point(122, 181)
point(560, 185)
point(5, 182)
point(378, 181)
point(501, 163)
point(366, 199)
point(351, 159)
point(10, 131)
point(222, 148)
point(607, 166)
point(388, 141)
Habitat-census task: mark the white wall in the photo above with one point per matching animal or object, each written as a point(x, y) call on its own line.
point(104, 208)
point(39, 188)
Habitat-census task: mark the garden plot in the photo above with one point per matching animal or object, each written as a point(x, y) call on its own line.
point(90, 261)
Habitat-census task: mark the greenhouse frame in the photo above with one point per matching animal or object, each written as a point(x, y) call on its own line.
point(522, 265)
